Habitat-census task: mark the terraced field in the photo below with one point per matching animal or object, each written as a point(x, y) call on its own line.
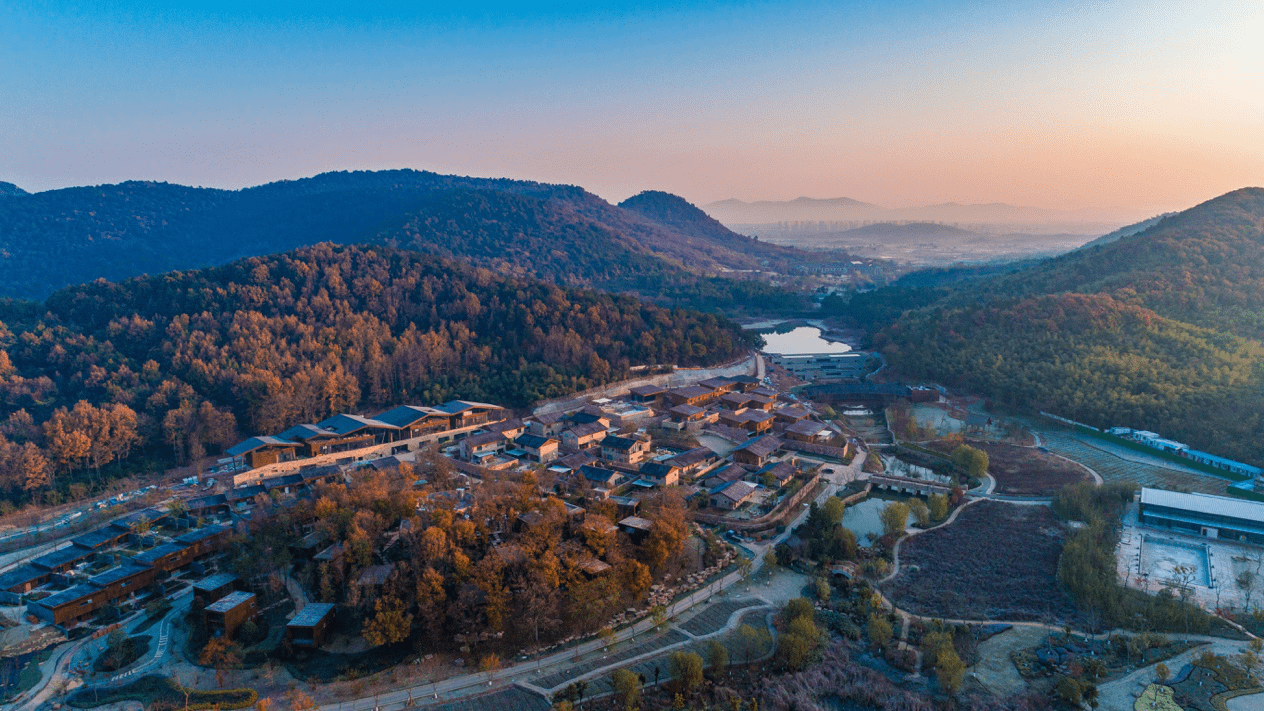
point(564, 677)
point(1119, 464)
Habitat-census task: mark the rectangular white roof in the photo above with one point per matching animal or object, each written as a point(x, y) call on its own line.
point(1205, 504)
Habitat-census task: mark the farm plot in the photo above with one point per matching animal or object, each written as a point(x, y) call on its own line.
point(1024, 471)
point(997, 561)
point(1126, 465)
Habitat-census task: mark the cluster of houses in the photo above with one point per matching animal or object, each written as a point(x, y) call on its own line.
point(343, 438)
point(109, 565)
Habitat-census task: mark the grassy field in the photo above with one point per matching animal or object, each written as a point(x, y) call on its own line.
point(997, 561)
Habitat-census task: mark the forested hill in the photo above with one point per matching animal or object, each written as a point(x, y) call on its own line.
point(63, 237)
point(10, 189)
point(201, 357)
point(1158, 330)
point(1204, 266)
point(702, 229)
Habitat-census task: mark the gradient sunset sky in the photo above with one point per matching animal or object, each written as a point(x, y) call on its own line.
point(1145, 106)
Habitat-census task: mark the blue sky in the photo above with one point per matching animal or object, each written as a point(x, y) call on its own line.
point(1139, 105)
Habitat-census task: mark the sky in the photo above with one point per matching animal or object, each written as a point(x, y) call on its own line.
point(1130, 107)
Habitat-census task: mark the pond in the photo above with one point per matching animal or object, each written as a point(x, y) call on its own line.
point(802, 339)
point(865, 517)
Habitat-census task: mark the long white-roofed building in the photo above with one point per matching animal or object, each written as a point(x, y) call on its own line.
point(1203, 515)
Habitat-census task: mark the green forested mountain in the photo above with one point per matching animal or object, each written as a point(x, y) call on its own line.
point(183, 359)
point(1203, 266)
point(1159, 330)
point(63, 237)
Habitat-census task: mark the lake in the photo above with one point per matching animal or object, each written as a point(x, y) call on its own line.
point(802, 339)
point(864, 517)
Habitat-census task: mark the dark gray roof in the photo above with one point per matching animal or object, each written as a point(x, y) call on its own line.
point(686, 410)
point(311, 614)
point(658, 470)
point(350, 424)
point(201, 534)
point(254, 443)
point(646, 390)
point(229, 601)
point(57, 558)
point(477, 440)
point(694, 456)
point(153, 554)
point(245, 492)
point(214, 582)
point(621, 444)
point(586, 429)
point(115, 574)
point(302, 433)
point(453, 407)
point(807, 428)
point(690, 391)
point(206, 502)
point(532, 441)
point(98, 537)
point(406, 415)
point(68, 595)
point(761, 446)
point(21, 575)
point(597, 474)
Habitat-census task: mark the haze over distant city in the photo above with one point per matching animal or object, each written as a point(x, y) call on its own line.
point(1130, 109)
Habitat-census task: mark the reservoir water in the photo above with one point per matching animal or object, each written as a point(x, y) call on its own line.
point(865, 517)
point(802, 339)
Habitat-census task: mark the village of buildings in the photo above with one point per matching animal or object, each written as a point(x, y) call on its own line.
point(747, 455)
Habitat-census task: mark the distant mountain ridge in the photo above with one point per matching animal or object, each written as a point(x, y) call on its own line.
point(10, 189)
point(1161, 328)
point(734, 212)
point(75, 235)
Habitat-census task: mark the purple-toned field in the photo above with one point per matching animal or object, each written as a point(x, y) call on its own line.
point(997, 561)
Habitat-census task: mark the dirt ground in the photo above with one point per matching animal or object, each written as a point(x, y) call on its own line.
point(995, 670)
point(1026, 471)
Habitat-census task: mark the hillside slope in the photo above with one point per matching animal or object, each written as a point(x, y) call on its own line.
point(64, 237)
point(1158, 330)
point(1204, 266)
point(293, 337)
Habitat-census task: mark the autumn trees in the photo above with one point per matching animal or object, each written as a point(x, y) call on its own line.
point(178, 364)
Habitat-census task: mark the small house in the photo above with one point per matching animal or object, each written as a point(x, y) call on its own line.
point(311, 625)
point(227, 614)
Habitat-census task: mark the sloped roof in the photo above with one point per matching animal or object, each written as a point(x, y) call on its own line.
point(453, 407)
point(214, 582)
point(646, 390)
point(734, 490)
point(621, 444)
point(694, 456)
point(807, 428)
point(658, 470)
point(689, 391)
point(597, 474)
point(586, 429)
point(350, 424)
point(761, 446)
point(304, 432)
point(254, 443)
point(407, 415)
point(686, 410)
point(533, 441)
